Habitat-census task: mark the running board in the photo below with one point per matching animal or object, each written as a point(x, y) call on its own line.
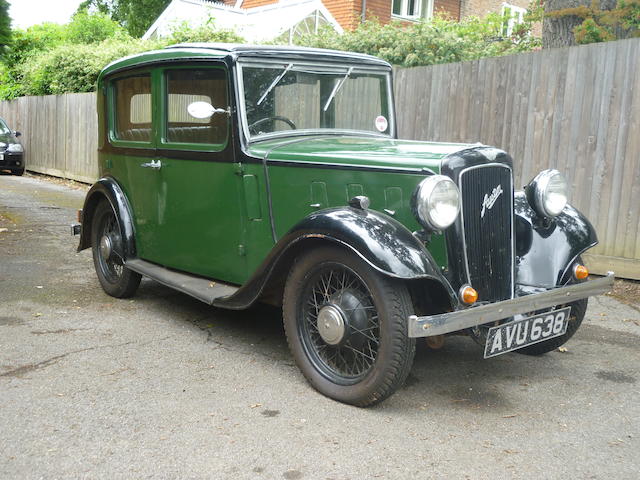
point(205, 290)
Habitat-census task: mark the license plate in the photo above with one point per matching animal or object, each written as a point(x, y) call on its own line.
point(527, 331)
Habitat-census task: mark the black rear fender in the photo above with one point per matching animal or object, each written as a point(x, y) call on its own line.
point(108, 189)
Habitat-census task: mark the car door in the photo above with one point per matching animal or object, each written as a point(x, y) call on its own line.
point(199, 216)
point(132, 151)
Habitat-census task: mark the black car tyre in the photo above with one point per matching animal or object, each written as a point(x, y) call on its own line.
point(106, 240)
point(18, 172)
point(578, 309)
point(346, 326)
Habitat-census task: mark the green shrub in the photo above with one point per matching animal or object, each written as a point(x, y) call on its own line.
point(429, 42)
point(74, 67)
point(206, 32)
point(92, 28)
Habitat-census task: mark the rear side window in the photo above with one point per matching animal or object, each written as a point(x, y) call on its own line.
point(132, 103)
point(192, 94)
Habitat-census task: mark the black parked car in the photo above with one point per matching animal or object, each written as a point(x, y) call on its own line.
point(11, 151)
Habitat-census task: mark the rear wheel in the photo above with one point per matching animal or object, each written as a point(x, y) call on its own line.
point(18, 172)
point(108, 257)
point(346, 326)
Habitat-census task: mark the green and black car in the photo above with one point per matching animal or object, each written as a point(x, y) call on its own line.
point(239, 174)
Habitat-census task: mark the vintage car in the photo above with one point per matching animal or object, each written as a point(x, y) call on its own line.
point(11, 151)
point(239, 174)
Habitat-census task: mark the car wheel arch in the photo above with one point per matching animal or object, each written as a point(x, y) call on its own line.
point(107, 189)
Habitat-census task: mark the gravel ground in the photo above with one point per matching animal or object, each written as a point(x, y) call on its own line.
point(162, 386)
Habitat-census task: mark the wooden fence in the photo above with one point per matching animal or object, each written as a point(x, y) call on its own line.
point(575, 109)
point(60, 133)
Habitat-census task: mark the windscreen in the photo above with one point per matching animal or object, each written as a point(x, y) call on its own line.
point(285, 97)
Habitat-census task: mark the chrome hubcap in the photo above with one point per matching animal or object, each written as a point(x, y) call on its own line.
point(331, 325)
point(106, 247)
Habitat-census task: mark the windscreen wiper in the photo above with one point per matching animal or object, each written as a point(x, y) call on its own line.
point(337, 88)
point(274, 83)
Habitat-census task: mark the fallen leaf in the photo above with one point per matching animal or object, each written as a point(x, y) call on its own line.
point(38, 314)
point(39, 286)
point(255, 405)
point(4, 230)
point(562, 349)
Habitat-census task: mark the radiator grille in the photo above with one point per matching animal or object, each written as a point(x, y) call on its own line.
point(487, 216)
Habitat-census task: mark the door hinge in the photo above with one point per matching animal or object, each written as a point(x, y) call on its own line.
point(238, 168)
point(242, 251)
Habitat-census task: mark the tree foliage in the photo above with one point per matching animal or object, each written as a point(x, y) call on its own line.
point(136, 16)
point(5, 25)
point(53, 59)
point(590, 21)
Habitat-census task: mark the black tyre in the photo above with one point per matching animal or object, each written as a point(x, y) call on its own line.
point(578, 310)
point(347, 327)
point(106, 239)
point(18, 172)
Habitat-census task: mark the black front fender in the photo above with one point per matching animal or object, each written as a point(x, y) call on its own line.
point(546, 249)
point(383, 242)
point(108, 189)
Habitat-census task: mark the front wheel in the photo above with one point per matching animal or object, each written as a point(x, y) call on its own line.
point(346, 326)
point(108, 257)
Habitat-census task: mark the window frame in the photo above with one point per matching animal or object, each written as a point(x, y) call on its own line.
point(516, 17)
point(163, 103)
point(269, 63)
point(425, 11)
point(112, 110)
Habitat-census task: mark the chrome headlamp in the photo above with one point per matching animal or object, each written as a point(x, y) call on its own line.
point(547, 193)
point(436, 202)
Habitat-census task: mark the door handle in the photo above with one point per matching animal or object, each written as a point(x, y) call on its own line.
point(155, 164)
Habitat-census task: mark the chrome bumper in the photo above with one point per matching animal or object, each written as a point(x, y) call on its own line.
point(459, 320)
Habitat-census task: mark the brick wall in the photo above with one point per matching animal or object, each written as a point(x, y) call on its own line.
point(346, 12)
point(450, 8)
point(380, 9)
point(479, 8)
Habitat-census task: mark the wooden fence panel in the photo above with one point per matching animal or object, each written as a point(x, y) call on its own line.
point(575, 109)
point(59, 133)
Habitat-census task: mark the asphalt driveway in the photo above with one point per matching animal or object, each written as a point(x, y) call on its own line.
point(162, 386)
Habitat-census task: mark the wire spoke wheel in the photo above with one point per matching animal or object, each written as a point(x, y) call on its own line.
point(346, 326)
point(341, 326)
point(108, 258)
point(110, 240)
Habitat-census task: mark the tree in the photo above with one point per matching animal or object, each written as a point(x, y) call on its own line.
point(5, 25)
point(568, 22)
point(134, 15)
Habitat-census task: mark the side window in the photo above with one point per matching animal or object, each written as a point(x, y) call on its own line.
point(132, 103)
point(195, 102)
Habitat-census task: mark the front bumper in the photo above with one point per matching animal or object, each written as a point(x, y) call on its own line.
point(440, 324)
point(11, 161)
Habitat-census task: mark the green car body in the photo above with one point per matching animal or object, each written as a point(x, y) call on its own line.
point(222, 188)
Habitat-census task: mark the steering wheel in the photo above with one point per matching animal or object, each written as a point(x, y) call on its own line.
point(271, 119)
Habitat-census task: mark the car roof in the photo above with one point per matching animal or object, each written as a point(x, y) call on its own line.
point(233, 51)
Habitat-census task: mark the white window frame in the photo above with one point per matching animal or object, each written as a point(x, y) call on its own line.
point(424, 10)
point(516, 17)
